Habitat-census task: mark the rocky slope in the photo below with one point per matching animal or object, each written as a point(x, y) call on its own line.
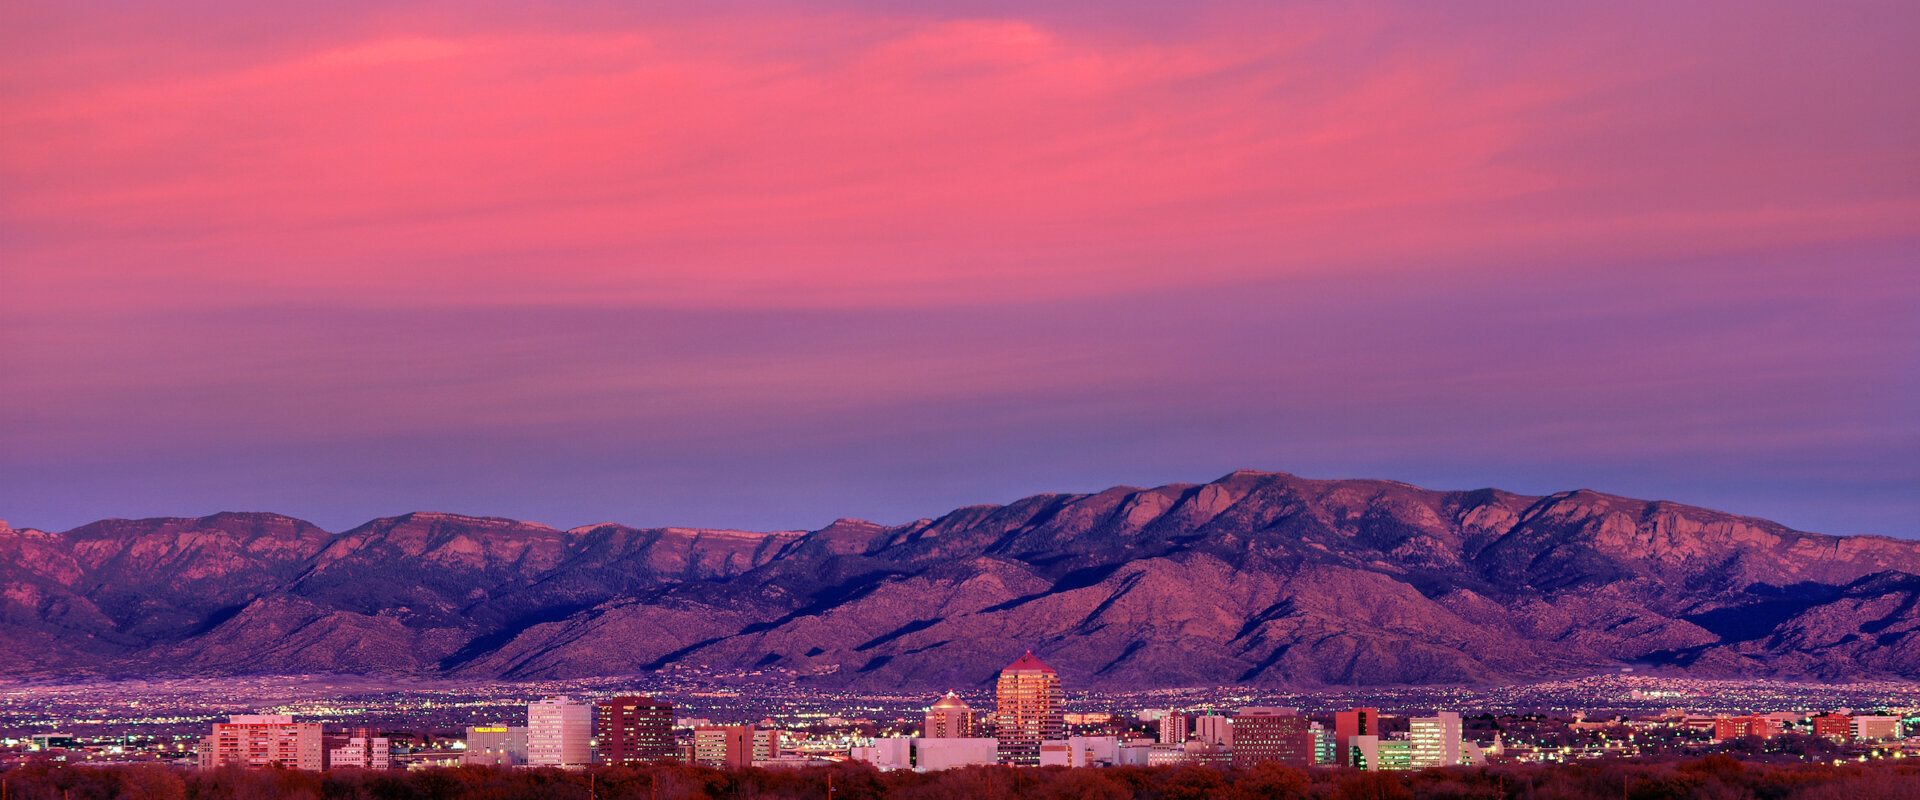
point(1258, 578)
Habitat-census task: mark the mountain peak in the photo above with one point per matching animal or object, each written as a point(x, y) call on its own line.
point(1308, 582)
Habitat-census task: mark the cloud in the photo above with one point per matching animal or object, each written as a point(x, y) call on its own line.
point(856, 157)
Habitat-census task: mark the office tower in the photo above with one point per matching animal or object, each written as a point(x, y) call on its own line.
point(723, 746)
point(262, 740)
point(1348, 724)
point(1213, 729)
point(559, 733)
point(949, 718)
point(1173, 727)
point(362, 752)
point(633, 730)
point(495, 746)
point(1434, 741)
point(1027, 710)
point(1279, 735)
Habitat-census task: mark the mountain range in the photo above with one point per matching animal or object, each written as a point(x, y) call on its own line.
point(1258, 578)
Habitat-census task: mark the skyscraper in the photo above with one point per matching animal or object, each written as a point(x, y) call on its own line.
point(949, 718)
point(633, 730)
point(1435, 740)
point(559, 733)
point(1349, 724)
point(1027, 710)
point(1278, 735)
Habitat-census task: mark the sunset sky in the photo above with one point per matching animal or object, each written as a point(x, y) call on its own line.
point(764, 264)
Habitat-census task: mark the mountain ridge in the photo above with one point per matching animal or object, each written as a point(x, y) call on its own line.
point(1256, 577)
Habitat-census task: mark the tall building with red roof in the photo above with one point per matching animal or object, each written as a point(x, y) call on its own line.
point(1028, 710)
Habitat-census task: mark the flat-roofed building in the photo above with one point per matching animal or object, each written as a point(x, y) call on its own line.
point(1435, 740)
point(1173, 727)
point(633, 730)
point(1725, 728)
point(1279, 735)
point(263, 740)
point(1833, 726)
point(1866, 726)
point(1347, 725)
point(495, 746)
point(1213, 729)
point(362, 752)
point(723, 746)
point(559, 733)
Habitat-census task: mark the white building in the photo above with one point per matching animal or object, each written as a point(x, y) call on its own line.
point(1434, 741)
point(559, 733)
point(928, 754)
point(495, 746)
point(362, 752)
point(1080, 751)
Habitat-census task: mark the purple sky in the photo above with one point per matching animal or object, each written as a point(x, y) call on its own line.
point(772, 263)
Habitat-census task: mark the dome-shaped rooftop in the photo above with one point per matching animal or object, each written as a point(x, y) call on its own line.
point(951, 701)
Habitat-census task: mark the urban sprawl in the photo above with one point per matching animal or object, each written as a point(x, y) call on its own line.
point(1029, 724)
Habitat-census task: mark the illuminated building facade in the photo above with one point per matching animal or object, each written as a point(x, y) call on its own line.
point(1277, 735)
point(263, 740)
point(559, 733)
point(1434, 741)
point(633, 730)
point(1027, 710)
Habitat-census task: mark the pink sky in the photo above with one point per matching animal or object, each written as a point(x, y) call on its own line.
point(223, 227)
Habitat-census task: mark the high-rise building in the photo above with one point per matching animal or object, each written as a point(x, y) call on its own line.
point(1348, 724)
point(263, 740)
point(1173, 727)
point(1434, 741)
point(1279, 735)
point(559, 733)
point(723, 746)
point(362, 752)
point(1213, 729)
point(495, 746)
point(1027, 710)
point(633, 730)
point(949, 718)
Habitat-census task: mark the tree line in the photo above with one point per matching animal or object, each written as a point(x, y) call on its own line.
point(1709, 778)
